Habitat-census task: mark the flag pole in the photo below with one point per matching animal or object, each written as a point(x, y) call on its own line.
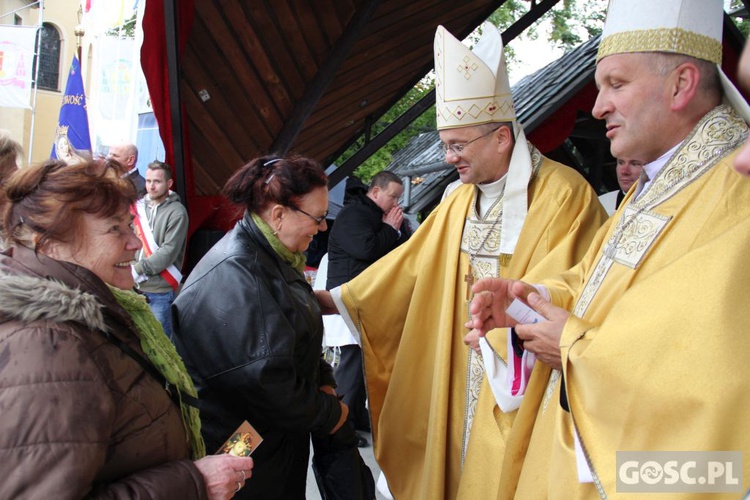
point(79, 31)
point(40, 25)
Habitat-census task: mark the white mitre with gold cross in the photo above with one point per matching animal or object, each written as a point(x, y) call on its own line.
point(472, 88)
point(688, 27)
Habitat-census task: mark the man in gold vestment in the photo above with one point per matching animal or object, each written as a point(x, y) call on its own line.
point(654, 354)
point(438, 431)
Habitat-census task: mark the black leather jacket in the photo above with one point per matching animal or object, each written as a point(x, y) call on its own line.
point(250, 331)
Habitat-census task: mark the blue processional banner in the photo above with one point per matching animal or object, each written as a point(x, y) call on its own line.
point(72, 138)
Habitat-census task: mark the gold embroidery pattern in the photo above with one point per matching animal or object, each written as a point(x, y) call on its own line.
point(439, 70)
point(488, 109)
point(478, 231)
point(473, 385)
point(635, 233)
point(486, 250)
point(675, 40)
point(536, 160)
point(592, 286)
point(638, 232)
point(485, 268)
point(554, 379)
point(468, 68)
point(480, 239)
point(717, 134)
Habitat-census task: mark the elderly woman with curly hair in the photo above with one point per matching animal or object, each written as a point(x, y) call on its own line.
point(95, 401)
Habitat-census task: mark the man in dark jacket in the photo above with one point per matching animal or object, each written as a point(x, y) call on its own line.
point(127, 155)
point(368, 227)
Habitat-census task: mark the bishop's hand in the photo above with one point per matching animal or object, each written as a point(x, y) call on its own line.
point(472, 340)
point(543, 338)
point(492, 296)
point(327, 306)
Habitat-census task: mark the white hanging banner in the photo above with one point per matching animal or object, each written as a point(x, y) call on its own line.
point(110, 98)
point(16, 59)
point(100, 16)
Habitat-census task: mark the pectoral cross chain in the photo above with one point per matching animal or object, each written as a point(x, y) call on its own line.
point(469, 279)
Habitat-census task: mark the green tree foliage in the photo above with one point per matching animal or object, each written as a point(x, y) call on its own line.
point(571, 21)
point(127, 30)
point(575, 18)
point(383, 156)
point(742, 23)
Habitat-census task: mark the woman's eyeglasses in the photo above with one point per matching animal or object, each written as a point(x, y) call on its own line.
point(318, 220)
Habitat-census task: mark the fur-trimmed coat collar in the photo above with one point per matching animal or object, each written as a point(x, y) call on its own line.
point(35, 287)
point(31, 298)
point(72, 401)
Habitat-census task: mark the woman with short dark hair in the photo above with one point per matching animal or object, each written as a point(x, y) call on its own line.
point(250, 329)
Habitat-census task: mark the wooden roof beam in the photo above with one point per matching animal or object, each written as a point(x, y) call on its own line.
point(317, 87)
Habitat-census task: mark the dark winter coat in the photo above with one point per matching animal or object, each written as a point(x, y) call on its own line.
point(139, 182)
point(79, 417)
point(250, 331)
point(358, 238)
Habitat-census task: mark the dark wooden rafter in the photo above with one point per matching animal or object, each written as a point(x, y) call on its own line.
point(323, 78)
point(536, 11)
point(465, 17)
point(477, 17)
point(381, 139)
point(170, 22)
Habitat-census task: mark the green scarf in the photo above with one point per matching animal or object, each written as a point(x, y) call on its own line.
point(296, 260)
point(164, 357)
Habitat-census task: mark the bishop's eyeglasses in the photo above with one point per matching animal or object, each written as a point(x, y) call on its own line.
point(457, 148)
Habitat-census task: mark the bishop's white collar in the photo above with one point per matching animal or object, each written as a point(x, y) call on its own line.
point(489, 193)
point(652, 169)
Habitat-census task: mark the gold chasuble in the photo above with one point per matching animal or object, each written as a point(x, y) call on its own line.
point(656, 356)
point(410, 308)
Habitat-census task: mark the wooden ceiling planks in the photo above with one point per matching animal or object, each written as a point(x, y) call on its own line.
point(256, 59)
point(205, 178)
point(331, 18)
point(296, 44)
point(319, 26)
point(240, 82)
point(212, 138)
point(397, 55)
point(264, 52)
point(220, 111)
point(394, 55)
